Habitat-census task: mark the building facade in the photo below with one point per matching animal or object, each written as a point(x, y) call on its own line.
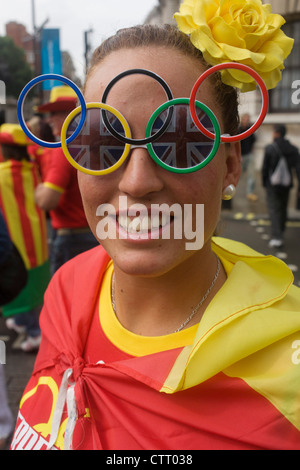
point(18, 33)
point(284, 104)
point(32, 49)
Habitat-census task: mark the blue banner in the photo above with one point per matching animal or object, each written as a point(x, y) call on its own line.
point(51, 56)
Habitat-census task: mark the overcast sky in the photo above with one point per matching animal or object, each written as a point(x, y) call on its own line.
point(73, 17)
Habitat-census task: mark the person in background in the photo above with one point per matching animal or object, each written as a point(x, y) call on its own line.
point(278, 194)
point(248, 161)
point(41, 155)
point(13, 273)
point(26, 224)
point(59, 192)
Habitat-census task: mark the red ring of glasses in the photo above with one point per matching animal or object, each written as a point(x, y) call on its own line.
point(263, 89)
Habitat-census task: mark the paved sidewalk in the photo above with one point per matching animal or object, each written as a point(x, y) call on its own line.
point(242, 208)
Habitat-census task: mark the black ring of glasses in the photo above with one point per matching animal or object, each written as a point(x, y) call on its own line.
point(152, 138)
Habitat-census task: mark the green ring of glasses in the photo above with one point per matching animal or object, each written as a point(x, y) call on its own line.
point(217, 132)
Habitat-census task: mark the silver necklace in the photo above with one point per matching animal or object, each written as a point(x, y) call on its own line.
point(195, 310)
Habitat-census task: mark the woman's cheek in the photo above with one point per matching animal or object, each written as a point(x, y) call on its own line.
point(92, 194)
point(209, 193)
point(206, 185)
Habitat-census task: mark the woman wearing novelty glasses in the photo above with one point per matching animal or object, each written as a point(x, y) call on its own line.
point(150, 342)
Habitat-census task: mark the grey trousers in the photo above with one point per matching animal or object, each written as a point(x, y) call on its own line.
point(277, 201)
point(6, 419)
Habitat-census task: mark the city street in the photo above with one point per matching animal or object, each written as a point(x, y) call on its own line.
point(248, 222)
point(244, 221)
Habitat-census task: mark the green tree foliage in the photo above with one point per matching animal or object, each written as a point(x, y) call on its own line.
point(14, 69)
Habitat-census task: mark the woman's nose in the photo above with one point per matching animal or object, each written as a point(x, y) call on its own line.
point(141, 175)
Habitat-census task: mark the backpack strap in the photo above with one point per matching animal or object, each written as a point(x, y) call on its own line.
point(277, 149)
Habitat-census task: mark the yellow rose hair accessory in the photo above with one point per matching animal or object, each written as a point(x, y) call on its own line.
point(243, 31)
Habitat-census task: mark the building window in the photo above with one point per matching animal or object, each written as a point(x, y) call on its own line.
point(281, 97)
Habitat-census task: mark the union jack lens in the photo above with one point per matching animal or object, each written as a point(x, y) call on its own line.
point(182, 145)
point(95, 148)
point(180, 148)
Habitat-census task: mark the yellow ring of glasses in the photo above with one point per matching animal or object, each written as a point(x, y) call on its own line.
point(65, 146)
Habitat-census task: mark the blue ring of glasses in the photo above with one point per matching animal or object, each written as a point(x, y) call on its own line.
point(25, 91)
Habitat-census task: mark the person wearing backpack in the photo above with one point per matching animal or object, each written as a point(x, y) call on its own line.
point(281, 159)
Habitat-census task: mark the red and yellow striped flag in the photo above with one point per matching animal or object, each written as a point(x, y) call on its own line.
point(26, 222)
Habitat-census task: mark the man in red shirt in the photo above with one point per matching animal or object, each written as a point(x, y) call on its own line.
point(59, 193)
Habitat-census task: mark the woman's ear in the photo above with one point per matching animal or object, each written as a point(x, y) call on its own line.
point(233, 164)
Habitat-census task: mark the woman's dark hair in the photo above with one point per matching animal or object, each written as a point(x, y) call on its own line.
point(14, 152)
point(170, 36)
point(46, 132)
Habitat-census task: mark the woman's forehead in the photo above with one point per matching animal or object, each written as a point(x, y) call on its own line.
point(137, 91)
point(178, 70)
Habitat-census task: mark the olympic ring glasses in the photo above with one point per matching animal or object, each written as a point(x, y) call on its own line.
point(182, 135)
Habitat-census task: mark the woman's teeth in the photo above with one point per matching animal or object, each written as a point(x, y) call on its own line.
point(143, 224)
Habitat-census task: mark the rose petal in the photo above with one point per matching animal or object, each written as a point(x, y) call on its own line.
point(235, 54)
point(204, 11)
point(203, 41)
point(253, 40)
point(284, 42)
point(271, 79)
point(274, 57)
point(224, 33)
point(275, 20)
point(228, 79)
point(185, 23)
point(240, 75)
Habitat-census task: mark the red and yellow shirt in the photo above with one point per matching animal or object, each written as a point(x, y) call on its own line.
point(62, 177)
point(42, 157)
point(25, 220)
point(232, 382)
point(26, 224)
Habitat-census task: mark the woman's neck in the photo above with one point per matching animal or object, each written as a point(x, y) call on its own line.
point(155, 306)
